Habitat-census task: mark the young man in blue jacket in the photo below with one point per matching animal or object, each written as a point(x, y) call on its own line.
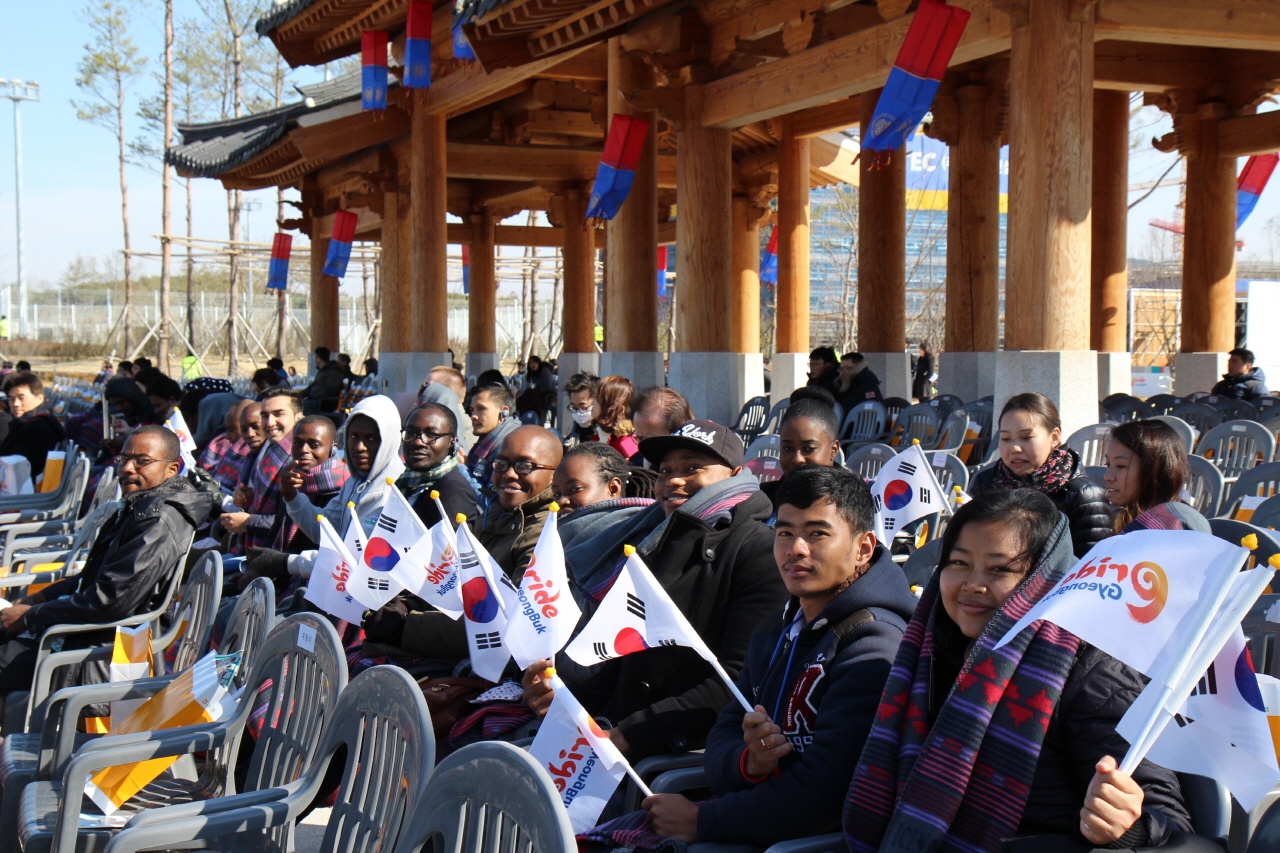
point(814, 672)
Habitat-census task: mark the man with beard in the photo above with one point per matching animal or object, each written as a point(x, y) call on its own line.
point(259, 494)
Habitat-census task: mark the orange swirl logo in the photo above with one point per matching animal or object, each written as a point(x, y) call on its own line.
point(1151, 585)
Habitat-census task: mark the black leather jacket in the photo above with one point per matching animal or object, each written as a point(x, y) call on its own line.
point(1083, 502)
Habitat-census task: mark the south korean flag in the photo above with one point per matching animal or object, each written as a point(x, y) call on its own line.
point(905, 489)
point(370, 587)
point(487, 596)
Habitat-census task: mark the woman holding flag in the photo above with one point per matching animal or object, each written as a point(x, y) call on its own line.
point(1016, 749)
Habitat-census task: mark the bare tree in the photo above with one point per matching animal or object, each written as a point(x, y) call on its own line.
point(166, 190)
point(110, 66)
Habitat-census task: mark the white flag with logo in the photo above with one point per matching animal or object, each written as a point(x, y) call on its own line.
point(434, 558)
point(372, 587)
point(487, 594)
point(396, 551)
point(636, 614)
point(584, 776)
point(1221, 731)
point(177, 424)
point(327, 588)
point(545, 613)
point(905, 489)
point(1139, 597)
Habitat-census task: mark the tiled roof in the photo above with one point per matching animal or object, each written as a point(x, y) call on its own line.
point(214, 148)
point(282, 11)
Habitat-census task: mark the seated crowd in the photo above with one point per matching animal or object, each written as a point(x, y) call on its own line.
point(867, 716)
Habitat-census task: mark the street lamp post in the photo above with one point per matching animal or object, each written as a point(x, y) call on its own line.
point(16, 91)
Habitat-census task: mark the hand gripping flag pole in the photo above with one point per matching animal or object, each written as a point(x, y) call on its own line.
point(600, 742)
point(278, 268)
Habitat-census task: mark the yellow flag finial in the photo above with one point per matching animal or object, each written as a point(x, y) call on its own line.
point(461, 518)
point(391, 481)
point(319, 518)
point(549, 672)
point(915, 441)
point(351, 505)
point(1274, 562)
point(434, 495)
point(1250, 541)
point(555, 507)
point(628, 549)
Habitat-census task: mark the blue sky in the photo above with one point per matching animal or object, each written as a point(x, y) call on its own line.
point(71, 193)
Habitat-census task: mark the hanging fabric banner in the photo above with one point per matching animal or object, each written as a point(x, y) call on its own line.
point(769, 261)
point(373, 70)
point(1252, 181)
point(617, 170)
point(339, 255)
point(461, 47)
point(417, 45)
point(278, 268)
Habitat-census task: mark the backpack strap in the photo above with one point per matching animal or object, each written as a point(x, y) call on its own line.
point(849, 626)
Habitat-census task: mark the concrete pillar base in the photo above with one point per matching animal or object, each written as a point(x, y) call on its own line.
point(571, 363)
point(894, 370)
point(787, 372)
point(401, 373)
point(479, 362)
point(642, 368)
point(1197, 371)
point(1115, 374)
point(750, 377)
point(708, 381)
point(1069, 378)
point(969, 375)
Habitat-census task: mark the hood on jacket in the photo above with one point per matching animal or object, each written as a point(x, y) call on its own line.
point(1254, 374)
point(369, 493)
point(883, 585)
point(123, 386)
point(176, 492)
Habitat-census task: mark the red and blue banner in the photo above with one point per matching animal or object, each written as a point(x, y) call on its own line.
point(617, 170)
point(916, 74)
point(417, 45)
point(461, 47)
point(466, 268)
point(662, 271)
point(373, 70)
point(769, 261)
point(1253, 179)
point(339, 254)
point(278, 268)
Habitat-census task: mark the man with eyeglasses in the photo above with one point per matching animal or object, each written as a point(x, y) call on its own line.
point(508, 530)
point(429, 445)
point(581, 389)
point(131, 563)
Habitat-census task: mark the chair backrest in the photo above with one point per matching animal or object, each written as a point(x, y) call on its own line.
point(919, 422)
point(1200, 416)
point(1231, 408)
point(1236, 446)
point(1267, 405)
point(954, 428)
point(1119, 398)
point(864, 422)
point(1268, 514)
point(766, 468)
point(1233, 531)
point(107, 490)
point(1163, 404)
point(481, 787)
point(774, 421)
point(1261, 633)
point(867, 460)
point(1263, 480)
point(195, 610)
point(945, 404)
point(752, 417)
point(981, 412)
point(251, 619)
point(1205, 485)
point(1126, 410)
point(1091, 443)
point(1197, 396)
point(765, 445)
point(949, 470)
point(1182, 428)
point(894, 405)
point(922, 563)
point(1209, 805)
point(1095, 473)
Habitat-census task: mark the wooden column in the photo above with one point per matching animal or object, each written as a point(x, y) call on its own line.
point(704, 247)
point(973, 227)
point(793, 241)
point(1050, 184)
point(745, 317)
point(631, 245)
point(1109, 317)
point(397, 286)
point(579, 318)
point(882, 246)
point(1209, 250)
point(482, 301)
point(324, 294)
point(428, 193)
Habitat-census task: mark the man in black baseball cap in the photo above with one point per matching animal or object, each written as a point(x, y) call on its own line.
point(696, 455)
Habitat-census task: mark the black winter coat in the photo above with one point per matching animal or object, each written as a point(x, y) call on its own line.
point(1250, 387)
point(1082, 501)
point(33, 435)
point(824, 695)
point(863, 387)
point(455, 493)
point(725, 581)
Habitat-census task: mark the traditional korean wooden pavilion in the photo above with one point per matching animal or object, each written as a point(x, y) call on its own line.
point(741, 97)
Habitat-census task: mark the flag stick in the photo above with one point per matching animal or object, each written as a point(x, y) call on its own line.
point(733, 688)
point(444, 516)
point(635, 777)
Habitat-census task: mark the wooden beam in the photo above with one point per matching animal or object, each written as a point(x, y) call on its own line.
point(1245, 136)
point(472, 87)
point(1136, 66)
point(341, 137)
point(831, 157)
point(1207, 23)
point(827, 118)
point(488, 161)
point(462, 233)
point(838, 69)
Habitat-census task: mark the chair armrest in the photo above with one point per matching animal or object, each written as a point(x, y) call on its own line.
point(25, 578)
point(812, 844)
point(675, 781)
point(256, 814)
point(654, 766)
point(199, 808)
point(59, 734)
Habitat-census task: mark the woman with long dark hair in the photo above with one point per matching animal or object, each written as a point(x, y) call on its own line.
point(1016, 750)
point(1146, 473)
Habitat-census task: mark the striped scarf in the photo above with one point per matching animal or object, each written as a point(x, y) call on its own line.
point(962, 783)
point(213, 454)
point(324, 479)
point(1159, 517)
point(480, 459)
point(227, 473)
point(264, 483)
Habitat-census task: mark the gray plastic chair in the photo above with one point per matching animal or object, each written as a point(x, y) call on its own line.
point(1236, 446)
point(863, 424)
point(299, 671)
point(27, 757)
point(1096, 473)
point(1182, 428)
point(951, 437)
point(1268, 514)
point(43, 540)
point(1163, 404)
point(949, 470)
point(922, 563)
point(1261, 635)
point(774, 421)
point(919, 422)
point(981, 412)
point(893, 406)
point(1233, 531)
point(1231, 408)
point(762, 458)
point(382, 722)
point(486, 798)
point(1203, 418)
point(945, 404)
point(1091, 443)
point(61, 502)
point(1205, 486)
point(751, 419)
point(867, 460)
point(1263, 480)
point(1125, 410)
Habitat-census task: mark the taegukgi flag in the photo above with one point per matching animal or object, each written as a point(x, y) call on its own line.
point(177, 424)
point(906, 489)
point(435, 556)
point(327, 588)
point(396, 549)
point(583, 763)
point(1221, 731)
point(371, 586)
point(1136, 596)
point(487, 599)
point(544, 613)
